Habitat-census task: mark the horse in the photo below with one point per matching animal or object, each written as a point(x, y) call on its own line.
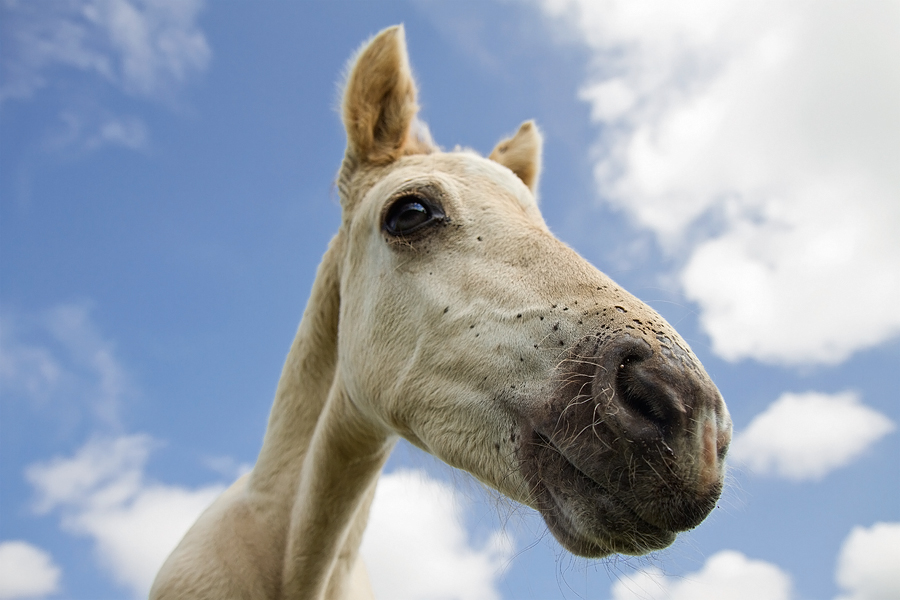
point(445, 312)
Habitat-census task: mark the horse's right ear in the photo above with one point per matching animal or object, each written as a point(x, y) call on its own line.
point(379, 106)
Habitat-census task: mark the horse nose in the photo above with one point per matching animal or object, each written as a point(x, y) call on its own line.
point(645, 389)
point(655, 393)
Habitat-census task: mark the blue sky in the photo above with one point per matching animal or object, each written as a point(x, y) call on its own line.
point(166, 193)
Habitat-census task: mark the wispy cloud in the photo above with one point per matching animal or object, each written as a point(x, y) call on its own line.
point(806, 436)
point(726, 574)
point(416, 546)
point(26, 571)
point(146, 49)
point(759, 142)
point(93, 127)
point(59, 358)
point(129, 132)
point(102, 492)
point(28, 369)
point(869, 563)
point(226, 466)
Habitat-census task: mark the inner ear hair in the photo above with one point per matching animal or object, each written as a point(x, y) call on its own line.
point(418, 139)
point(521, 154)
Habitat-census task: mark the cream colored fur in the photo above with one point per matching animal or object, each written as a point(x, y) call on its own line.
point(521, 154)
point(440, 340)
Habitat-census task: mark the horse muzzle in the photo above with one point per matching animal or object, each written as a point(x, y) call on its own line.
point(628, 448)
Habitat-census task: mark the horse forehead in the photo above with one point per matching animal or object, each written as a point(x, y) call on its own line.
point(476, 179)
point(475, 170)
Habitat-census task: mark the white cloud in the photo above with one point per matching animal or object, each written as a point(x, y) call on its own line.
point(145, 47)
point(59, 359)
point(759, 142)
point(869, 563)
point(416, 545)
point(806, 436)
point(101, 492)
point(26, 571)
point(726, 574)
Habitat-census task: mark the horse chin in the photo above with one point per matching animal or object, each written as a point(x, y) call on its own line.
point(587, 519)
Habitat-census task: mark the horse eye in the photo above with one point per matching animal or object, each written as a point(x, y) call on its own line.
point(409, 213)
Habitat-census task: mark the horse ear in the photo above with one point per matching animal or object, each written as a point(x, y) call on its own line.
point(521, 154)
point(379, 106)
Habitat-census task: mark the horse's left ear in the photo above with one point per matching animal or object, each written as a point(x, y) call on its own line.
point(521, 154)
point(379, 106)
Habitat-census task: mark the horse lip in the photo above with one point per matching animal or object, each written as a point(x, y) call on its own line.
point(607, 541)
point(619, 504)
point(690, 500)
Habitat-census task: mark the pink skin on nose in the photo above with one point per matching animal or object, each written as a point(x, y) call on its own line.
point(709, 461)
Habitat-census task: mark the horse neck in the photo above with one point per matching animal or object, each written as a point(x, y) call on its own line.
point(320, 459)
point(306, 378)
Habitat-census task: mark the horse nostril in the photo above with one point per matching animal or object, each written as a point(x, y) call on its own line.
point(640, 390)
